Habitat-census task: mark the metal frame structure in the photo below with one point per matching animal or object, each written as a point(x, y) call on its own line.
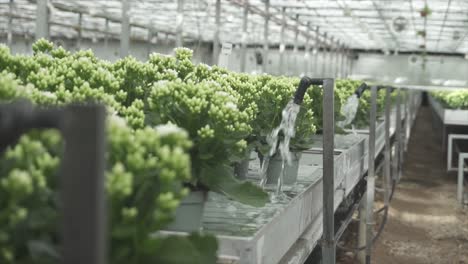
point(357, 24)
point(84, 210)
point(460, 179)
point(451, 139)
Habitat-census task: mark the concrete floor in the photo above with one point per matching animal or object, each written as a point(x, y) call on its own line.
point(425, 224)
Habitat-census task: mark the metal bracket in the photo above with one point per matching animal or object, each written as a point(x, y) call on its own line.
point(451, 139)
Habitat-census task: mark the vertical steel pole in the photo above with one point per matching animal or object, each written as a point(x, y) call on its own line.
point(80, 23)
point(342, 62)
point(125, 29)
point(324, 55)
point(245, 21)
point(82, 186)
point(295, 49)
point(397, 161)
point(350, 63)
point(337, 60)
point(42, 19)
point(461, 168)
point(106, 34)
point(180, 24)
point(328, 247)
point(265, 36)
point(329, 59)
point(401, 136)
point(388, 150)
point(216, 40)
point(282, 39)
point(332, 59)
point(409, 117)
point(307, 53)
point(149, 38)
point(10, 24)
point(361, 254)
point(371, 175)
point(317, 48)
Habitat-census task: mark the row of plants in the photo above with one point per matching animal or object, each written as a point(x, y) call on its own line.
point(146, 168)
point(175, 127)
point(454, 99)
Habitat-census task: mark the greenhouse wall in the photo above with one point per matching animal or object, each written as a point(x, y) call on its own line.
point(138, 49)
point(440, 70)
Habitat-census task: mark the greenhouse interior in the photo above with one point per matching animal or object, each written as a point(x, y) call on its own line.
point(233, 131)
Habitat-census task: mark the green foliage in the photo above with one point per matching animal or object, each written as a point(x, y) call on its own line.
point(144, 183)
point(455, 99)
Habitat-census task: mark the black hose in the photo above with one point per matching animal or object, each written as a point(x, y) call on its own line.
point(304, 84)
point(360, 90)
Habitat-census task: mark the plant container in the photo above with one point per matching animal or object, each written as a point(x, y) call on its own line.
point(241, 169)
point(189, 214)
point(290, 171)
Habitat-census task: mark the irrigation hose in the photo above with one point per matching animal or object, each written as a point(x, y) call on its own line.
point(381, 227)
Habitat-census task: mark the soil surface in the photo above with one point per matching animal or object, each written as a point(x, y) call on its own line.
point(425, 223)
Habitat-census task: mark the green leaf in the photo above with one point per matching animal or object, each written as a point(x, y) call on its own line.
point(221, 179)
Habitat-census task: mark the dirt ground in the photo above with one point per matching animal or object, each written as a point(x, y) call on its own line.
point(425, 224)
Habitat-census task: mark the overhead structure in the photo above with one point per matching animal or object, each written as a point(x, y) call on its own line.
point(375, 25)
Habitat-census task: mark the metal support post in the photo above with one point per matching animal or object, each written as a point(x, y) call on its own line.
point(398, 136)
point(324, 55)
point(42, 19)
point(343, 63)
point(371, 175)
point(461, 170)
point(336, 70)
point(180, 24)
point(125, 29)
point(329, 246)
point(82, 188)
point(329, 59)
point(83, 210)
point(149, 39)
point(361, 254)
point(388, 151)
point(216, 40)
point(317, 49)
point(340, 61)
point(295, 49)
point(10, 24)
point(282, 39)
point(265, 36)
point(80, 23)
point(307, 54)
point(106, 34)
point(245, 21)
point(409, 117)
point(350, 63)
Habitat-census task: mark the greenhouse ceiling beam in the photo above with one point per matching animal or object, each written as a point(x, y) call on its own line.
point(382, 17)
point(63, 7)
point(328, 8)
point(324, 17)
point(255, 10)
point(443, 23)
point(54, 23)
